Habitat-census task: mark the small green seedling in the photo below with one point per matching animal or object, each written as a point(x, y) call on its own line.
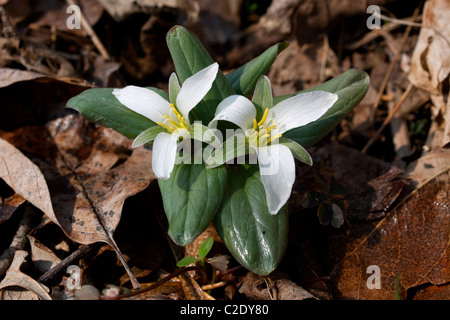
point(202, 252)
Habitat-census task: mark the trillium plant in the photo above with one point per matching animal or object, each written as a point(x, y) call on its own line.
point(221, 158)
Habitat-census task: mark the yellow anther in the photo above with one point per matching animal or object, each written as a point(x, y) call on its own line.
point(255, 124)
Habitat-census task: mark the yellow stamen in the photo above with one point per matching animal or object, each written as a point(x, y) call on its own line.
point(173, 121)
point(266, 112)
point(270, 128)
point(163, 125)
point(260, 135)
point(274, 138)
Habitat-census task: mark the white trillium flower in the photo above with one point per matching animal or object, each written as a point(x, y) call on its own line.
point(172, 117)
point(264, 137)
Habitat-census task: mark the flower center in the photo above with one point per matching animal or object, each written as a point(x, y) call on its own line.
point(174, 122)
point(261, 134)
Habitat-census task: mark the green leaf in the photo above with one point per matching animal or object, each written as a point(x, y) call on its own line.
point(205, 134)
point(243, 79)
point(256, 238)
point(100, 106)
point(191, 197)
point(174, 88)
point(351, 87)
point(147, 136)
point(234, 147)
point(297, 150)
point(186, 261)
point(190, 56)
point(205, 248)
point(262, 97)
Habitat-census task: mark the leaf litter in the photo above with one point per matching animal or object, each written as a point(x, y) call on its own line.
point(93, 188)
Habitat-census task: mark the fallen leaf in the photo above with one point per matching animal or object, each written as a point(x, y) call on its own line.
point(43, 258)
point(410, 245)
point(433, 293)
point(9, 205)
point(256, 287)
point(15, 278)
point(25, 178)
point(9, 76)
point(430, 63)
point(191, 288)
point(81, 183)
point(428, 165)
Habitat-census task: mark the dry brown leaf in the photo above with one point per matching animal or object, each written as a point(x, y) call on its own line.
point(15, 278)
point(433, 293)
point(25, 178)
point(410, 246)
point(279, 288)
point(428, 165)
point(84, 186)
point(191, 288)
point(43, 258)
point(9, 76)
point(430, 63)
point(9, 205)
point(170, 290)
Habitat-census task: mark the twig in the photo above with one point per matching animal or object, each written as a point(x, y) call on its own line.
point(392, 65)
point(91, 33)
point(411, 24)
point(157, 283)
point(372, 35)
point(388, 119)
point(77, 254)
point(323, 62)
point(19, 240)
point(214, 285)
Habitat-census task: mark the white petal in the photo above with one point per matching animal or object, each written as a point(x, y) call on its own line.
point(236, 109)
point(302, 109)
point(195, 88)
point(277, 168)
point(164, 154)
point(143, 101)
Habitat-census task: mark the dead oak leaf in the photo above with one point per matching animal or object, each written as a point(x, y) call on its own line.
point(19, 286)
point(410, 246)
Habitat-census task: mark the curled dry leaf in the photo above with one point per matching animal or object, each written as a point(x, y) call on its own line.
point(25, 178)
point(410, 245)
point(9, 205)
point(15, 278)
point(279, 288)
point(43, 258)
point(430, 63)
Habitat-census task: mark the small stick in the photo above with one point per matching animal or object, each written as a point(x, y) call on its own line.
point(214, 285)
point(91, 33)
point(157, 283)
point(77, 254)
point(388, 119)
point(323, 62)
point(392, 65)
point(19, 240)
